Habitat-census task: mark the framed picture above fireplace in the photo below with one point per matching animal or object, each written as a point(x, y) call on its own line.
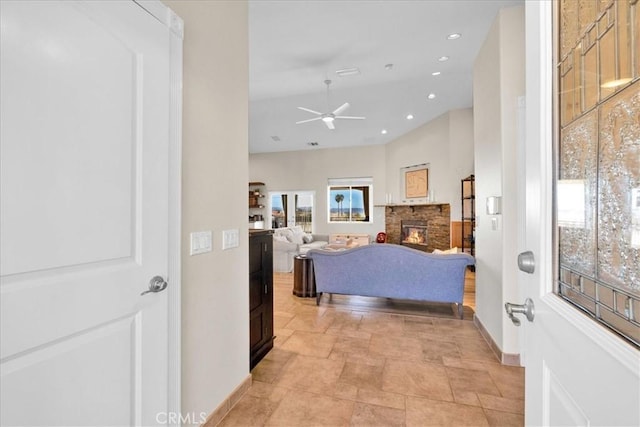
point(415, 181)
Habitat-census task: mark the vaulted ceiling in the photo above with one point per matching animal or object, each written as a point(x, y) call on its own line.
point(397, 46)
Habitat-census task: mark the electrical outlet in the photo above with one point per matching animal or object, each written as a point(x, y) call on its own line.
point(201, 242)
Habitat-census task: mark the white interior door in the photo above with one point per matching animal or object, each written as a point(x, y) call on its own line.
point(84, 213)
point(577, 372)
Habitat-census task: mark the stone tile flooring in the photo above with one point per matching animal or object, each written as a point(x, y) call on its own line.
point(353, 362)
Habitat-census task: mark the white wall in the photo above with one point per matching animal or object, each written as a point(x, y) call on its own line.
point(512, 51)
point(215, 312)
point(310, 169)
point(446, 143)
point(461, 154)
point(498, 82)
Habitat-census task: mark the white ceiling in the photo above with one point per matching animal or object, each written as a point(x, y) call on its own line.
point(296, 45)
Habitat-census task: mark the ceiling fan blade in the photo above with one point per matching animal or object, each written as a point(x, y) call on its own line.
point(309, 120)
point(341, 108)
point(330, 125)
point(310, 111)
point(350, 117)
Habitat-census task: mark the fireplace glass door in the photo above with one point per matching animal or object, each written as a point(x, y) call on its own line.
point(414, 234)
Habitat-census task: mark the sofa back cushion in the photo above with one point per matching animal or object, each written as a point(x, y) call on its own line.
point(291, 234)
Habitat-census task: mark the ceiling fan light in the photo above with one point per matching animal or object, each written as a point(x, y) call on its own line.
point(327, 119)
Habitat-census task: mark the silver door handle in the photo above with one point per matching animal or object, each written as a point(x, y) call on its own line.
point(528, 309)
point(156, 284)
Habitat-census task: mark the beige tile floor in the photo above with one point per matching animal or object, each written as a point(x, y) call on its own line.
point(359, 362)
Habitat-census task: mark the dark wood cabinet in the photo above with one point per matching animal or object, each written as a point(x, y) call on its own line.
point(260, 294)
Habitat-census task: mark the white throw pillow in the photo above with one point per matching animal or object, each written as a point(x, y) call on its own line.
point(307, 238)
point(288, 234)
point(447, 251)
point(297, 235)
point(280, 238)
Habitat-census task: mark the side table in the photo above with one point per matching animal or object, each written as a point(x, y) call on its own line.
point(304, 281)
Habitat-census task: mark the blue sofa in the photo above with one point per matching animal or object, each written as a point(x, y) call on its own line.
point(391, 271)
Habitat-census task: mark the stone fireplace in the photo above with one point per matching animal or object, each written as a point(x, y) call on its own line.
point(424, 227)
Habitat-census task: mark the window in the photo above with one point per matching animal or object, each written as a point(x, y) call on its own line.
point(349, 200)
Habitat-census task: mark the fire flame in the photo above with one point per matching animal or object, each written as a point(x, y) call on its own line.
point(415, 237)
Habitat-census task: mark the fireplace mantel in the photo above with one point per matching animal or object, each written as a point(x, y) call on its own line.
point(392, 205)
point(436, 215)
point(413, 206)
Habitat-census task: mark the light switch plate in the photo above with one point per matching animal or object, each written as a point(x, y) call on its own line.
point(201, 242)
point(230, 238)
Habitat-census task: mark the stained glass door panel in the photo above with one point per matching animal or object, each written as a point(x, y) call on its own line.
point(598, 185)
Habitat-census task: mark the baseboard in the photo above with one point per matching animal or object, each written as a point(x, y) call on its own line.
point(504, 358)
point(223, 409)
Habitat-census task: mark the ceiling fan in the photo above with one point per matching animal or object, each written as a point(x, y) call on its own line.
point(328, 118)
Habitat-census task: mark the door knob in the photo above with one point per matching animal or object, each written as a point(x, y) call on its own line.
point(156, 284)
point(528, 309)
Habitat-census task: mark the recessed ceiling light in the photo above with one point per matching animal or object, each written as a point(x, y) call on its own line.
point(312, 143)
point(383, 131)
point(388, 66)
point(275, 138)
point(443, 58)
point(409, 116)
point(436, 73)
point(454, 36)
point(431, 96)
point(348, 72)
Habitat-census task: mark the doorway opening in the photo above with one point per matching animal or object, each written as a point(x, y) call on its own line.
point(291, 208)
